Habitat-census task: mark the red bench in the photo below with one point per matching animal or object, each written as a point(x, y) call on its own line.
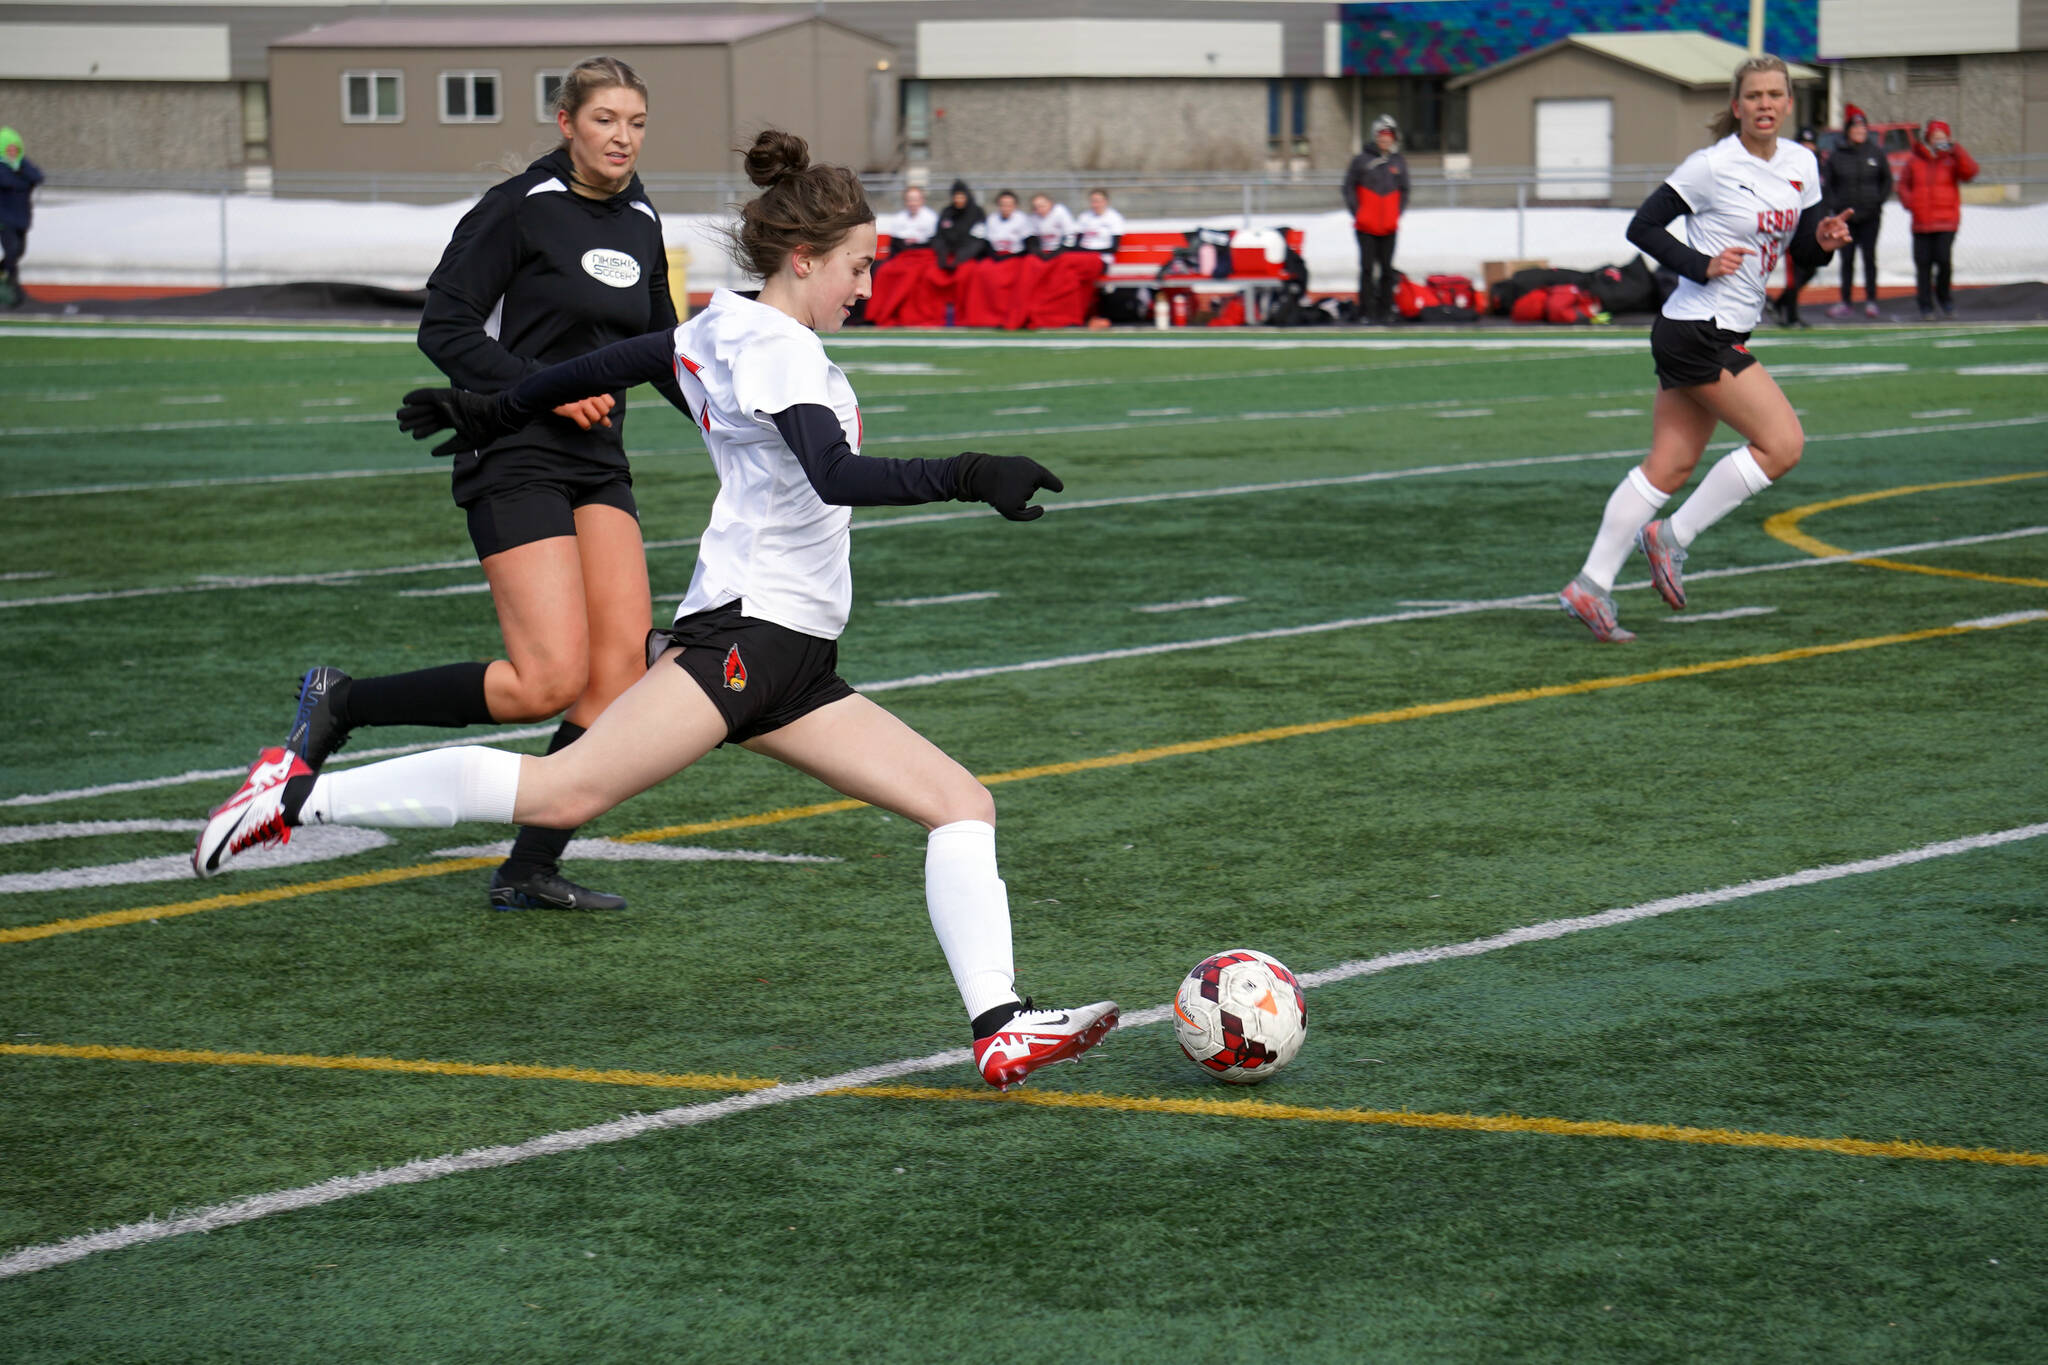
point(1257, 265)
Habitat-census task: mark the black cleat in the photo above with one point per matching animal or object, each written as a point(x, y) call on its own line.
point(546, 889)
point(316, 730)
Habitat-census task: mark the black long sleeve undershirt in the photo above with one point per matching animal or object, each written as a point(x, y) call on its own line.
point(1649, 232)
point(845, 479)
point(811, 430)
point(1806, 250)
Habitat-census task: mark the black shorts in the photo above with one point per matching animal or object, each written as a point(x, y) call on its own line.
point(759, 675)
point(1691, 352)
point(542, 508)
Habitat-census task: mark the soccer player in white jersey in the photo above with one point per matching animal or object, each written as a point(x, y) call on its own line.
point(1748, 200)
point(752, 656)
point(1053, 224)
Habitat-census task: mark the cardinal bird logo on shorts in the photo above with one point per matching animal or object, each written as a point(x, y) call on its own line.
point(735, 670)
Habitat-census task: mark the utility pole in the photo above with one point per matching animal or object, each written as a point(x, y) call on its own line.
point(1756, 27)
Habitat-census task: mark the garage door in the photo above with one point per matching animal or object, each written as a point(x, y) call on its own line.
point(1574, 149)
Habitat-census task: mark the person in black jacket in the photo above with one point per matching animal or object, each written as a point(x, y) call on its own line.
point(18, 179)
point(560, 260)
point(957, 241)
point(1858, 175)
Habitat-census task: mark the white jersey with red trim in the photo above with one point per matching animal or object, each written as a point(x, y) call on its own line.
point(1098, 230)
point(1007, 236)
point(1736, 199)
point(1054, 228)
point(772, 543)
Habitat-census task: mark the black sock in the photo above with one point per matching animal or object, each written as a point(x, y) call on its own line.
point(991, 1021)
point(537, 849)
point(296, 790)
point(451, 696)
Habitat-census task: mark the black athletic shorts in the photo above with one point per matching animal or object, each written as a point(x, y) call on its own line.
point(759, 675)
point(1695, 352)
point(541, 508)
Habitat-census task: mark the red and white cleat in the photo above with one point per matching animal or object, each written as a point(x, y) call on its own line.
point(1036, 1038)
point(1582, 598)
point(253, 816)
point(1667, 561)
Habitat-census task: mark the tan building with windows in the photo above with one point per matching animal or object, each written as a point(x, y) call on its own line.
point(423, 96)
point(1585, 106)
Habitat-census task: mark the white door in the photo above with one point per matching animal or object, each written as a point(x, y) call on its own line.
point(1574, 149)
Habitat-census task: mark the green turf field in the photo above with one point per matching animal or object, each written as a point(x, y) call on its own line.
point(1681, 1000)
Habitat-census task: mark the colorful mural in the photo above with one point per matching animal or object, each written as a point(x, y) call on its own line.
point(1452, 37)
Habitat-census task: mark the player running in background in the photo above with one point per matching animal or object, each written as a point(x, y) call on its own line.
point(752, 656)
point(555, 262)
point(1748, 200)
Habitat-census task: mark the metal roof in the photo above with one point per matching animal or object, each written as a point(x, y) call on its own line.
point(1687, 57)
point(520, 30)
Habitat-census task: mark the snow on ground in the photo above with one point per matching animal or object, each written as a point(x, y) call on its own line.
point(183, 239)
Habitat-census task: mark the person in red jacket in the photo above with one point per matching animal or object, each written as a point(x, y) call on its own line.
point(1376, 191)
point(1930, 188)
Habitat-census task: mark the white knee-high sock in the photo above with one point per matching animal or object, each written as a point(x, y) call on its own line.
point(970, 909)
point(433, 790)
point(1735, 478)
point(1629, 508)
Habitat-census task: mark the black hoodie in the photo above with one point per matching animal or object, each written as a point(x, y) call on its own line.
point(537, 274)
point(955, 241)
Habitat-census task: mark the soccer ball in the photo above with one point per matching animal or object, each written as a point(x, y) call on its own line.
point(1241, 1015)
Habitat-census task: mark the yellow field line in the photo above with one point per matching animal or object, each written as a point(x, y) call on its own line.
point(1785, 526)
point(1054, 1099)
point(510, 1071)
point(1462, 1123)
point(1122, 760)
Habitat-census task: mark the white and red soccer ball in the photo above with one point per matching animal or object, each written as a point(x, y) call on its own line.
point(1240, 1015)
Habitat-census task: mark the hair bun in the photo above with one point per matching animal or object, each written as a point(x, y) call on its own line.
point(775, 156)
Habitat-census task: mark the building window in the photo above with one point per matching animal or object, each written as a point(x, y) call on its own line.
point(546, 85)
point(469, 97)
point(372, 97)
point(1432, 116)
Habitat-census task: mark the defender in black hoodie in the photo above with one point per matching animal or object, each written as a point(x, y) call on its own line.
point(560, 260)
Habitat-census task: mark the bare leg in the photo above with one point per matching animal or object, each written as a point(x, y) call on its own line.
point(613, 564)
point(538, 591)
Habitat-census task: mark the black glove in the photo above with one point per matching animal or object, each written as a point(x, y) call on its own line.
point(477, 419)
point(1004, 482)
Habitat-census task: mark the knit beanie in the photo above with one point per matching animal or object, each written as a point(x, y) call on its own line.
point(10, 148)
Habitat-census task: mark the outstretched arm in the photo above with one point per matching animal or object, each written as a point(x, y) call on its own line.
point(845, 479)
point(1818, 237)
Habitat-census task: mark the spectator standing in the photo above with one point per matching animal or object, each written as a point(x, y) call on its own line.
point(1376, 192)
point(1799, 271)
point(1858, 175)
point(1931, 189)
point(18, 179)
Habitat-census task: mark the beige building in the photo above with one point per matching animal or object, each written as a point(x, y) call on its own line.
point(1584, 108)
point(424, 96)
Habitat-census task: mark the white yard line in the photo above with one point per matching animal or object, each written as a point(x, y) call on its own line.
point(1425, 612)
point(28, 1260)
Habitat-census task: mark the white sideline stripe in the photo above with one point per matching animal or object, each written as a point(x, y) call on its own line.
point(336, 576)
point(1191, 604)
point(1688, 618)
point(1525, 602)
point(947, 600)
point(216, 774)
point(28, 1260)
point(1522, 602)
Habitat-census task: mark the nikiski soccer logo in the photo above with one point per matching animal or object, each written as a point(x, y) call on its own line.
point(614, 268)
point(735, 670)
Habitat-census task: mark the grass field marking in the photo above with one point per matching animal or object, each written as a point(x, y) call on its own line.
point(1785, 526)
point(1048, 1099)
point(1457, 1123)
point(1425, 611)
point(27, 1260)
point(1128, 758)
point(299, 1060)
point(49, 928)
